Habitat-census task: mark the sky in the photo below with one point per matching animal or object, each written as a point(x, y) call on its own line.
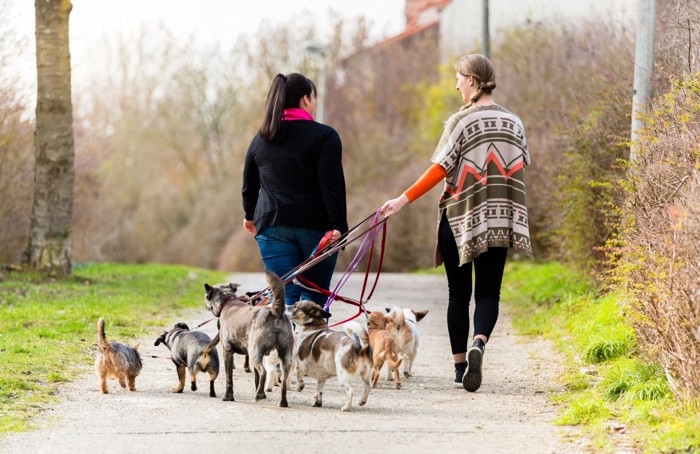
point(210, 21)
point(206, 21)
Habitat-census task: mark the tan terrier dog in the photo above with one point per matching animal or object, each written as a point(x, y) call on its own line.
point(115, 360)
point(382, 332)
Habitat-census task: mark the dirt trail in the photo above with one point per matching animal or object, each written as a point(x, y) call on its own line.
point(509, 414)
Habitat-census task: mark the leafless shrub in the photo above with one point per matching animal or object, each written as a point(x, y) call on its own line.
point(376, 109)
point(660, 256)
point(569, 83)
point(16, 152)
point(678, 47)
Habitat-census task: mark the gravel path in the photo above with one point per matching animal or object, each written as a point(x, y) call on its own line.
point(510, 413)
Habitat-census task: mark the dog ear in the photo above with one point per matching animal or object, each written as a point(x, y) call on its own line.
point(208, 288)
point(233, 286)
point(419, 314)
point(161, 339)
point(181, 325)
point(320, 313)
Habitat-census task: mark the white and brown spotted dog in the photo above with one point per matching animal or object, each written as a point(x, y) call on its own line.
point(407, 337)
point(322, 353)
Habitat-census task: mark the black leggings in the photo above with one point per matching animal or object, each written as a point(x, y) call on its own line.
point(488, 267)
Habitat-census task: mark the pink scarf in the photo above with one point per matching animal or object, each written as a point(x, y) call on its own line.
point(296, 113)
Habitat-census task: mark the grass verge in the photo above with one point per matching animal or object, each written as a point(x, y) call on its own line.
point(612, 391)
point(47, 327)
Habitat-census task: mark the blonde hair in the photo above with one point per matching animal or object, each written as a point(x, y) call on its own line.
point(481, 69)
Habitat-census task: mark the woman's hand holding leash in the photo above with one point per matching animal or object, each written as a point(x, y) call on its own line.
point(393, 206)
point(335, 236)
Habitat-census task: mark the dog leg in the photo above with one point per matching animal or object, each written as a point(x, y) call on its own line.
point(131, 379)
point(318, 398)
point(228, 362)
point(268, 381)
point(122, 381)
point(300, 378)
point(269, 365)
point(193, 380)
point(398, 380)
point(348, 393)
point(366, 388)
point(286, 368)
point(103, 384)
point(181, 379)
point(246, 364)
point(260, 377)
point(408, 364)
point(212, 378)
point(375, 373)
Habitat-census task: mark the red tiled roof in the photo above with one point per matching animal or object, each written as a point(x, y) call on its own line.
point(407, 33)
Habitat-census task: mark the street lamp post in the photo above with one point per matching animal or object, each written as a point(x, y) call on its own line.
point(319, 51)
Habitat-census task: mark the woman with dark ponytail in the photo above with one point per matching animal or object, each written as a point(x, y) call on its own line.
point(482, 213)
point(293, 185)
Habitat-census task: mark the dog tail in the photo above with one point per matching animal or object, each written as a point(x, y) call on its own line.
point(393, 360)
point(101, 338)
point(397, 314)
point(205, 356)
point(277, 288)
point(359, 332)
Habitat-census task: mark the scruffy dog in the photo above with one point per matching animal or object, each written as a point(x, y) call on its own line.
point(115, 360)
point(186, 352)
point(322, 353)
point(382, 332)
point(407, 338)
point(252, 330)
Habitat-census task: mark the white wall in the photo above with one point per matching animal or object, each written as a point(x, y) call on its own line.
point(460, 22)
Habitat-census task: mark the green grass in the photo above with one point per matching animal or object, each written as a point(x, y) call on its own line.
point(47, 326)
point(607, 378)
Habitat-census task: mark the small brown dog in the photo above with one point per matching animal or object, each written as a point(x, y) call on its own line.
point(252, 330)
point(382, 332)
point(115, 360)
point(321, 353)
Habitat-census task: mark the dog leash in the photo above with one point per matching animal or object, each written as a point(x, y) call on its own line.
point(157, 357)
point(366, 246)
point(325, 249)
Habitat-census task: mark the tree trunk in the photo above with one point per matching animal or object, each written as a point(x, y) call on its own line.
point(49, 246)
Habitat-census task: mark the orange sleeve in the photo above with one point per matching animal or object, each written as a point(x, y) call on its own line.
point(435, 174)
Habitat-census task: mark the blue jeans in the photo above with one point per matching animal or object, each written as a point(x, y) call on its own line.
point(284, 248)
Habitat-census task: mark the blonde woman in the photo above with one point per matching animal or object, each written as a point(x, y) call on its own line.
point(482, 211)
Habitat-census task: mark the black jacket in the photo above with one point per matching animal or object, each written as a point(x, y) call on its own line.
point(297, 180)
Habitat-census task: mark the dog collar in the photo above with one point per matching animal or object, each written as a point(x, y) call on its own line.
point(173, 334)
point(312, 325)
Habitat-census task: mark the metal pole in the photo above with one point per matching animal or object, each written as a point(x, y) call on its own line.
point(643, 67)
point(485, 37)
point(321, 101)
point(321, 52)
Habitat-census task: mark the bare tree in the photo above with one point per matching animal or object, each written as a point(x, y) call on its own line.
point(52, 211)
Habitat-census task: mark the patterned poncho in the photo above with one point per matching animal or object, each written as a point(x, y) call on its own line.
point(484, 152)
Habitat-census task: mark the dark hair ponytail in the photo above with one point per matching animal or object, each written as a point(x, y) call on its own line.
point(285, 92)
